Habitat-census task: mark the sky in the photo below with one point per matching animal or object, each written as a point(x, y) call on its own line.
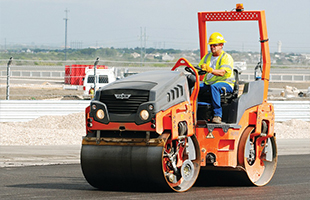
point(165, 23)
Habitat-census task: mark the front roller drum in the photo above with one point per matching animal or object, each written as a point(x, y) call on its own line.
point(173, 166)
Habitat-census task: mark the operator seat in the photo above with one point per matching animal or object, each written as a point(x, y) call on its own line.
point(226, 97)
point(205, 112)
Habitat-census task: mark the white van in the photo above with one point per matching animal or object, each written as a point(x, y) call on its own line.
point(104, 77)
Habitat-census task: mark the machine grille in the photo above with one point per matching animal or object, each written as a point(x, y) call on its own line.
point(118, 102)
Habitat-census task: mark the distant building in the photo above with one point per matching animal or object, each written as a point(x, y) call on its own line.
point(279, 46)
point(167, 57)
point(135, 55)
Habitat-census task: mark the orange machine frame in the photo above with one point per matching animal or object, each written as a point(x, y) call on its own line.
point(225, 144)
point(258, 16)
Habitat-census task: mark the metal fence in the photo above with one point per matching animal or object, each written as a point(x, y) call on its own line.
point(61, 75)
point(279, 77)
point(35, 74)
point(24, 110)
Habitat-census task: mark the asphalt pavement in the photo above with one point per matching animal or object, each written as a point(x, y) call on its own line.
point(291, 181)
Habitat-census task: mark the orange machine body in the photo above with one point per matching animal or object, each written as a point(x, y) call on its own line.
point(225, 143)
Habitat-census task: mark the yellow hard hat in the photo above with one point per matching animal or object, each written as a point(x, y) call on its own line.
point(216, 38)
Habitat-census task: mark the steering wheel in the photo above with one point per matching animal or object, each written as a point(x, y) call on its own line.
point(200, 71)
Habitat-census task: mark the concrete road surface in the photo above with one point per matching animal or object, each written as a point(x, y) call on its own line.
point(12, 156)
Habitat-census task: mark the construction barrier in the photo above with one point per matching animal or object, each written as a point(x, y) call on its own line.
point(25, 110)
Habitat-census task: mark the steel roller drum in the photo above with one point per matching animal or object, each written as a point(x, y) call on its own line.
point(113, 167)
point(141, 167)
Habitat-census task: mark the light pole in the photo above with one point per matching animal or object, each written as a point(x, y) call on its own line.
point(8, 72)
point(95, 69)
point(66, 21)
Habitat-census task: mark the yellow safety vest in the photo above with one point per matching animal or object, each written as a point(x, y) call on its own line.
point(226, 62)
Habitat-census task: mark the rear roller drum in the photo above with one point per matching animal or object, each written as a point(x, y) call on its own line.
point(258, 157)
point(181, 163)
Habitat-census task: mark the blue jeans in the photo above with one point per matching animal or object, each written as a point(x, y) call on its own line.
point(216, 91)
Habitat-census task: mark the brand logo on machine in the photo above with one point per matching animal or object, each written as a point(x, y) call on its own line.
point(122, 96)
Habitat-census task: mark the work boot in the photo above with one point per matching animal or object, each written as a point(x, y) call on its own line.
point(217, 120)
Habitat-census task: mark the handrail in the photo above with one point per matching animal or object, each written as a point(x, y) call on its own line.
point(194, 95)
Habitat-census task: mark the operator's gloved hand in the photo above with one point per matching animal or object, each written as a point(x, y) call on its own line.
point(206, 68)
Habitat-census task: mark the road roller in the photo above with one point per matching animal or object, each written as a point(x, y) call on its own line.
point(150, 131)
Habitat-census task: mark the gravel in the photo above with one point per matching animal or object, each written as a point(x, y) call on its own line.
point(292, 129)
point(45, 130)
point(69, 129)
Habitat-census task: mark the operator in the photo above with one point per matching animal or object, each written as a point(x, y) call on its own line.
point(219, 67)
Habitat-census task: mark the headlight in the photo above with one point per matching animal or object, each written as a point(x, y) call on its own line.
point(144, 114)
point(100, 114)
point(151, 107)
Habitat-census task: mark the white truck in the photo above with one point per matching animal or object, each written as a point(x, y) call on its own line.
point(104, 77)
point(240, 66)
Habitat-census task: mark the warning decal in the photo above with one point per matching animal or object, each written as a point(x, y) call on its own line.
point(210, 135)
